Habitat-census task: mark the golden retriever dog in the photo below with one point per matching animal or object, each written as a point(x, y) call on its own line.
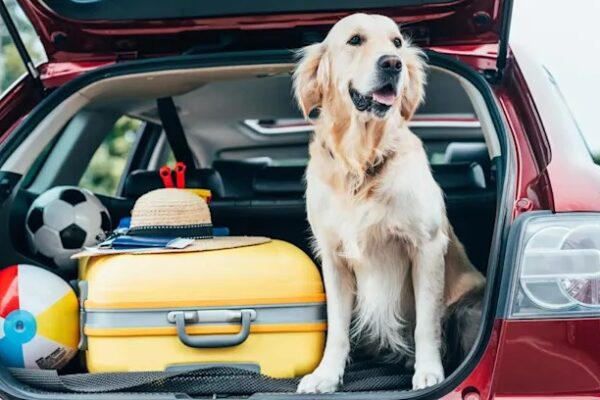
point(391, 262)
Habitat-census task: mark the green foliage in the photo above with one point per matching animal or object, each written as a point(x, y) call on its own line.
point(108, 163)
point(11, 65)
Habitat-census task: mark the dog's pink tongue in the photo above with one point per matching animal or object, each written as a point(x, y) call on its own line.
point(384, 98)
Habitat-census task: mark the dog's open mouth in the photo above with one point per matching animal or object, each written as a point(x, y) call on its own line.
point(378, 101)
point(385, 95)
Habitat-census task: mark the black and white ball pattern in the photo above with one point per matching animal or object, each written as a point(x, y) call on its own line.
point(64, 220)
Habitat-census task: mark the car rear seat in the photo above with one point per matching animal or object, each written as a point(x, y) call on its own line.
point(238, 175)
point(289, 180)
point(258, 199)
point(270, 201)
point(458, 152)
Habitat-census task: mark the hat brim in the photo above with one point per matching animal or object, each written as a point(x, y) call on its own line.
point(216, 243)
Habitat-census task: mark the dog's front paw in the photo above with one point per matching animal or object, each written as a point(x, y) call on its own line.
point(320, 382)
point(428, 375)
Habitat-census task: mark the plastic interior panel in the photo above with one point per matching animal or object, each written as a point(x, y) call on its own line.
point(158, 9)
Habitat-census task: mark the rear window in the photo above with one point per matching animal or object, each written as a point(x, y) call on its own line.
point(437, 130)
point(278, 126)
point(281, 155)
point(284, 126)
point(106, 168)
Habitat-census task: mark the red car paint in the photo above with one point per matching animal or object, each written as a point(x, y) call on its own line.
point(571, 171)
point(550, 357)
point(525, 359)
point(454, 22)
point(15, 104)
point(57, 74)
point(521, 116)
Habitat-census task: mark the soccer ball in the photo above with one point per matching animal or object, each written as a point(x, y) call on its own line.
point(64, 220)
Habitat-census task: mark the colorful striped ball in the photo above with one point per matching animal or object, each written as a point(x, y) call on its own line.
point(39, 318)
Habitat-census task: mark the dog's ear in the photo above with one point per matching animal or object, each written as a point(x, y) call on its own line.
point(414, 91)
point(310, 77)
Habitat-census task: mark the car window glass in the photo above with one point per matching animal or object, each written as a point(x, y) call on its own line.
point(107, 166)
point(171, 160)
point(11, 65)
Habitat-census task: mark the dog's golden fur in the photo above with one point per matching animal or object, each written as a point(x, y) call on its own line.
point(389, 256)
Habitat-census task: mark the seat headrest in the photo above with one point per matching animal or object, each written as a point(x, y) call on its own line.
point(458, 152)
point(284, 180)
point(142, 181)
point(289, 180)
point(459, 176)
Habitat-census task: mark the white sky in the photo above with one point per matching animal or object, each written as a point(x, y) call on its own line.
point(565, 35)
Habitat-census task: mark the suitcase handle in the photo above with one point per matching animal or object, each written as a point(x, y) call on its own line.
point(212, 341)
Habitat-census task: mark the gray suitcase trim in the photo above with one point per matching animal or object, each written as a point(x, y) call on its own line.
point(202, 316)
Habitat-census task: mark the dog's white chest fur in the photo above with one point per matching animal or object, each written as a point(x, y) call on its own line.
point(406, 205)
point(376, 238)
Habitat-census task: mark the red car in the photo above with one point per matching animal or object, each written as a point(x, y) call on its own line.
point(522, 189)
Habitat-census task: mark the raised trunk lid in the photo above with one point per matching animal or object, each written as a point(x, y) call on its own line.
point(78, 30)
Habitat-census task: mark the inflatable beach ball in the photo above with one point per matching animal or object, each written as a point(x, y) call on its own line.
point(39, 318)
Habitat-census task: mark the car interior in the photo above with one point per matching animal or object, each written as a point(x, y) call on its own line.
point(249, 146)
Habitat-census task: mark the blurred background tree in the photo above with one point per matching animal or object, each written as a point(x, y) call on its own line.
point(11, 65)
point(106, 168)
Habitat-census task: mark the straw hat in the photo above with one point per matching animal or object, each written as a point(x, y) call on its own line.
point(171, 213)
point(176, 213)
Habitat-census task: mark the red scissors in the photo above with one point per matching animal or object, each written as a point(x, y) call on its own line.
point(166, 174)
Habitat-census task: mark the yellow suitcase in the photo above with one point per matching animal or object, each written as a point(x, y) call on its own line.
point(262, 304)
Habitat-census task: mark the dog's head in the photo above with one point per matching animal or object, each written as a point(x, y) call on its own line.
point(365, 63)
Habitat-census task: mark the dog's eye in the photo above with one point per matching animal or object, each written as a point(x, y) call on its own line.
point(355, 40)
point(397, 42)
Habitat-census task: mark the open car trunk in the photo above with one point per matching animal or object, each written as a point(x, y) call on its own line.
point(259, 190)
point(73, 30)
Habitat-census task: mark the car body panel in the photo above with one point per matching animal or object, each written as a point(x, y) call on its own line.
point(19, 99)
point(532, 151)
point(58, 73)
point(480, 378)
point(548, 358)
point(564, 158)
point(440, 23)
point(522, 359)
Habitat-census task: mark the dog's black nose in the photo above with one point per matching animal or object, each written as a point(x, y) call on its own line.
point(390, 64)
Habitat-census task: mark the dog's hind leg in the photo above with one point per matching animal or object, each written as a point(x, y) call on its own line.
point(428, 284)
point(339, 287)
point(461, 326)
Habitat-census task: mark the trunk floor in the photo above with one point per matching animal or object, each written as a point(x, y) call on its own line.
point(359, 377)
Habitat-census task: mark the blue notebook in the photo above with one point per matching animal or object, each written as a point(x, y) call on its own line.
point(137, 242)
